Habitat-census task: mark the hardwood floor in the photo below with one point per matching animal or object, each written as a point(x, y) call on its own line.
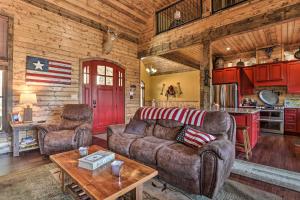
point(276, 151)
point(272, 150)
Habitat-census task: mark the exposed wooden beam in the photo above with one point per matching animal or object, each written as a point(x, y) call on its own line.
point(212, 34)
point(77, 18)
point(179, 58)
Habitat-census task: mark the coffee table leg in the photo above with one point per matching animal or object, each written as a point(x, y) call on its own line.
point(63, 181)
point(138, 193)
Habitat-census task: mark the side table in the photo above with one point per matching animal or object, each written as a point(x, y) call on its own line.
point(16, 128)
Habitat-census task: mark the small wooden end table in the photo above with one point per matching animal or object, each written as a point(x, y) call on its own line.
point(100, 183)
point(16, 128)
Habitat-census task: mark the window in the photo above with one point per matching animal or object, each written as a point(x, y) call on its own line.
point(105, 75)
point(86, 75)
point(120, 79)
point(3, 37)
point(142, 93)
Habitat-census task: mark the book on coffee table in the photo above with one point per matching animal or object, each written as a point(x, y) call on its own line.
point(96, 160)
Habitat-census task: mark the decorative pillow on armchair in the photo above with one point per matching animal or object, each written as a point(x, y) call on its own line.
point(194, 137)
point(136, 127)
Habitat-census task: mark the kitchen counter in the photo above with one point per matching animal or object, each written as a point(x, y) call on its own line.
point(239, 110)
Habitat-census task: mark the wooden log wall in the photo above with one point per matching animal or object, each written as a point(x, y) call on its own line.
point(41, 33)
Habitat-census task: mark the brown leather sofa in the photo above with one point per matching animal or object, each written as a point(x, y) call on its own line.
point(198, 171)
point(74, 130)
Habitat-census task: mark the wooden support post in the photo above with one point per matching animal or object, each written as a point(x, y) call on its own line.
point(205, 81)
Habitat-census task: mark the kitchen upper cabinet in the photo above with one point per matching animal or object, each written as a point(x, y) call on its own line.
point(270, 75)
point(217, 77)
point(262, 73)
point(246, 81)
point(293, 83)
point(225, 76)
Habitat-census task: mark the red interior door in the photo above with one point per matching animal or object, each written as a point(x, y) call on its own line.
point(104, 91)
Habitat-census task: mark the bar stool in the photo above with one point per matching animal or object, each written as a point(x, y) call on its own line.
point(246, 144)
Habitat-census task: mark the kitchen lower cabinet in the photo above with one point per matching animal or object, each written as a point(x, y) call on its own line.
point(292, 121)
point(252, 122)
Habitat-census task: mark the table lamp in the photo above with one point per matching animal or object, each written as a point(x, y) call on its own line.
point(28, 99)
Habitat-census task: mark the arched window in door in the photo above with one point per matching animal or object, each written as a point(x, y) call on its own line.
point(142, 93)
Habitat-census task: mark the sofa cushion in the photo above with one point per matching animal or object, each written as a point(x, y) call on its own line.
point(145, 149)
point(136, 127)
point(179, 160)
point(149, 130)
point(169, 123)
point(121, 143)
point(70, 124)
point(194, 137)
point(59, 141)
point(165, 132)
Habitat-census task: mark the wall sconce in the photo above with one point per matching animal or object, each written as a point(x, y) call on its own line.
point(132, 91)
point(28, 99)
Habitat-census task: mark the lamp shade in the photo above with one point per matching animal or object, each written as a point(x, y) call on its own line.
point(28, 98)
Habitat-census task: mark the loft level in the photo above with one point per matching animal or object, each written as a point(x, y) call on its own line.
point(185, 11)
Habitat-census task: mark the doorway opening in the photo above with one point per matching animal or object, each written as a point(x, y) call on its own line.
point(104, 92)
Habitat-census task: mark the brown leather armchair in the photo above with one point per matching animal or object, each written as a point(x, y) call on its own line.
point(74, 130)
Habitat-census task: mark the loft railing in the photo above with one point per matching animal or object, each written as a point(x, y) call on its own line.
point(178, 14)
point(218, 5)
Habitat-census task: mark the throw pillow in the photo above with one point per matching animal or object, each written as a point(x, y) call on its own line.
point(136, 127)
point(194, 137)
point(165, 132)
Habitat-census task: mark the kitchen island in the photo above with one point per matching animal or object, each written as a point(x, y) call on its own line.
point(245, 117)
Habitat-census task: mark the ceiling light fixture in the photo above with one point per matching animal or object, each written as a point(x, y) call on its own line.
point(228, 48)
point(151, 70)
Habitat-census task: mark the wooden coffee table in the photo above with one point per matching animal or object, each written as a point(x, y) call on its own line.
point(100, 183)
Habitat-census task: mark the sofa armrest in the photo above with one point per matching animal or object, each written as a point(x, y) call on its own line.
point(117, 128)
point(42, 131)
point(223, 148)
point(217, 160)
point(83, 135)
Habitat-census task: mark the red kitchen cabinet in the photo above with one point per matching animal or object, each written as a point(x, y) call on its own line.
point(217, 77)
point(225, 75)
point(230, 75)
point(270, 74)
point(292, 121)
point(276, 72)
point(246, 81)
point(262, 73)
point(293, 83)
point(252, 121)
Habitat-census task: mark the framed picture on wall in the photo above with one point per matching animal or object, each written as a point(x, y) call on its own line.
point(16, 117)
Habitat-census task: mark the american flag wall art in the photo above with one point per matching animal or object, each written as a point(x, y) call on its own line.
point(47, 72)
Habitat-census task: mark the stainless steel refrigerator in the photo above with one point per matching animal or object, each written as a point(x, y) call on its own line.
point(226, 95)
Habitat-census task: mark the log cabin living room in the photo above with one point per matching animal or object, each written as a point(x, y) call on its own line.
point(150, 99)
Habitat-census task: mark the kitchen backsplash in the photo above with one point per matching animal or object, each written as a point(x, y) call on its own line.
point(281, 90)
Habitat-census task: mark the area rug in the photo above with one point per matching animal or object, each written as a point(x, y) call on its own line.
point(275, 176)
point(40, 184)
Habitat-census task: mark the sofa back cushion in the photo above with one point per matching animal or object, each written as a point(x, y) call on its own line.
point(67, 124)
point(167, 133)
point(169, 123)
point(136, 127)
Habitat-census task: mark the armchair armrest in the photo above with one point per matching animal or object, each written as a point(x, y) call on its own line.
point(217, 160)
point(83, 135)
point(43, 130)
point(223, 148)
point(117, 128)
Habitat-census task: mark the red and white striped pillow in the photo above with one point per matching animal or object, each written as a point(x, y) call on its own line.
point(196, 137)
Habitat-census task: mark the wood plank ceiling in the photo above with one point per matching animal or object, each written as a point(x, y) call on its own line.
point(165, 66)
point(125, 16)
point(286, 33)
